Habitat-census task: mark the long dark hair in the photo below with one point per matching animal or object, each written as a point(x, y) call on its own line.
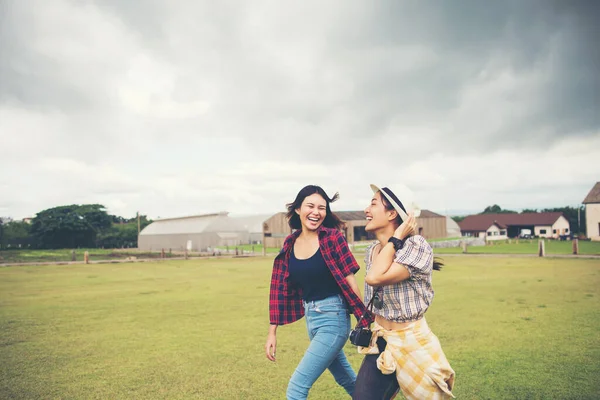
point(331, 220)
point(437, 262)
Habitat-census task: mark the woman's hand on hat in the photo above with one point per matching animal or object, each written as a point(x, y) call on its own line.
point(407, 228)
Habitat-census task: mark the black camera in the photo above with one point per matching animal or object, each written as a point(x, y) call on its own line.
point(361, 337)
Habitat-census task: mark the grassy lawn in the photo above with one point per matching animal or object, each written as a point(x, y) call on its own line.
point(256, 248)
point(524, 247)
point(512, 328)
point(24, 256)
point(528, 247)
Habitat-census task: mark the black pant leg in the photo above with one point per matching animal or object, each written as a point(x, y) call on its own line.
point(371, 384)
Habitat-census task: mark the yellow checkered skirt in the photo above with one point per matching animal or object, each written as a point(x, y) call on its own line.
point(415, 354)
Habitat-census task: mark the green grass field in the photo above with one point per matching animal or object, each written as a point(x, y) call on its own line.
point(256, 248)
point(512, 328)
point(64, 255)
point(528, 247)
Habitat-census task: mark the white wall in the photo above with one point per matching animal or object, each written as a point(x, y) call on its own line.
point(537, 231)
point(495, 233)
point(592, 219)
point(561, 226)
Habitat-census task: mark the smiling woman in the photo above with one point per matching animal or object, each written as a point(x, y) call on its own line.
point(313, 276)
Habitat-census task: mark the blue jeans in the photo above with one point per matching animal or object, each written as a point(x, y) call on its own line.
point(328, 324)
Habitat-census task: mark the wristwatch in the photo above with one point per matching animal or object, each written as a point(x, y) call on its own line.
point(398, 243)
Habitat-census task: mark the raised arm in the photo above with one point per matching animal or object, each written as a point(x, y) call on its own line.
point(384, 271)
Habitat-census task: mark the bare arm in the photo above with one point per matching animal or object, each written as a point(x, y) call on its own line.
point(384, 271)
point(271, 344)
point(352, 282)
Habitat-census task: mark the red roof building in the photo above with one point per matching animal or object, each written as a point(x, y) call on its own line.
point(503, 226)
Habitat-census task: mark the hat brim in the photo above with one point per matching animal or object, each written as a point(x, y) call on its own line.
point(396, 206)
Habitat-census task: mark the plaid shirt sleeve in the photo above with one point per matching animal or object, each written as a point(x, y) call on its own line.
point(285, 302)
point(347, 262)
point(416, 255)
point(347, 265)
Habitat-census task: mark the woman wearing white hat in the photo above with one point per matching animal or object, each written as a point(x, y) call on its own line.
point(403, 352)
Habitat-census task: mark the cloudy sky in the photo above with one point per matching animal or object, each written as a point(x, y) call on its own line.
point(183, 107)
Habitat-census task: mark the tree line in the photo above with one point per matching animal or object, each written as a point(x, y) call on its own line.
point(72, 226)
point(575, 216)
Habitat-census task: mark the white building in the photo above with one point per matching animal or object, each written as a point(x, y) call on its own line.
point(201, 232)
point(592, 212)
point(503, 226)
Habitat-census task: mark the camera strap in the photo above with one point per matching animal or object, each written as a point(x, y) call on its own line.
point(369, 306)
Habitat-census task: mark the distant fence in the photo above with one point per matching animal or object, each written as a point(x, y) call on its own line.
point(458, 243)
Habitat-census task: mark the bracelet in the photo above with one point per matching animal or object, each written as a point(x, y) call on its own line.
point(398, 243)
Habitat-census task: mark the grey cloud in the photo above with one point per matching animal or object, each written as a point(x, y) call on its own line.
point(156, 88)
point(26, 76)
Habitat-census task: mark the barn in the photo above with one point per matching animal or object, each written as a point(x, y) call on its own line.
point(201, 232)
point(430, 225)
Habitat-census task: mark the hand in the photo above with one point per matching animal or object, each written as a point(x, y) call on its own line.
point(407, 228)
point(270, 346)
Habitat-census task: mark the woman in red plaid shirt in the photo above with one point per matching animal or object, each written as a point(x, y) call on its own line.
point(313, 276)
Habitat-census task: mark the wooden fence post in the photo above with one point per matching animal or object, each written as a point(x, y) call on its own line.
point(542, 248)
point(86, 257)
point(186, 253)
point(73, 255)
point(464, 247)
point(575, 246)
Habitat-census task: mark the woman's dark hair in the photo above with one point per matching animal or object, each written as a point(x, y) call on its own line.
point(388, 206)
point(437, 262)
point(331, 220)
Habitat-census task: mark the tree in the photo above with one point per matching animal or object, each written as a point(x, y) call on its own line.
point(123, 234)
point(15, 234)
point(70, 226)
point(496, 209)
point(529, 211)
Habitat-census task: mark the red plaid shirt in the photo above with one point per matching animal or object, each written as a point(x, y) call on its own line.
point(285, 300)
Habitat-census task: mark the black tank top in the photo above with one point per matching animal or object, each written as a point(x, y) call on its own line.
point(313, 277)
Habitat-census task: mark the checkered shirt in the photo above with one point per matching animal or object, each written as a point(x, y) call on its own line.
point(414, 354)
point(407, 300)
point(285, 299)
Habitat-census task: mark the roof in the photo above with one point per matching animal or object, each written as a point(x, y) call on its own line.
point(481, 222)
point(594, 195)
point(192, 224)
point(217, 222)
point(430, 214)
point(452, 228)
point(252, 223)
point(360, 215)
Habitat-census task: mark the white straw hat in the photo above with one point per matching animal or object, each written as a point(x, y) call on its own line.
point(402, 199)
